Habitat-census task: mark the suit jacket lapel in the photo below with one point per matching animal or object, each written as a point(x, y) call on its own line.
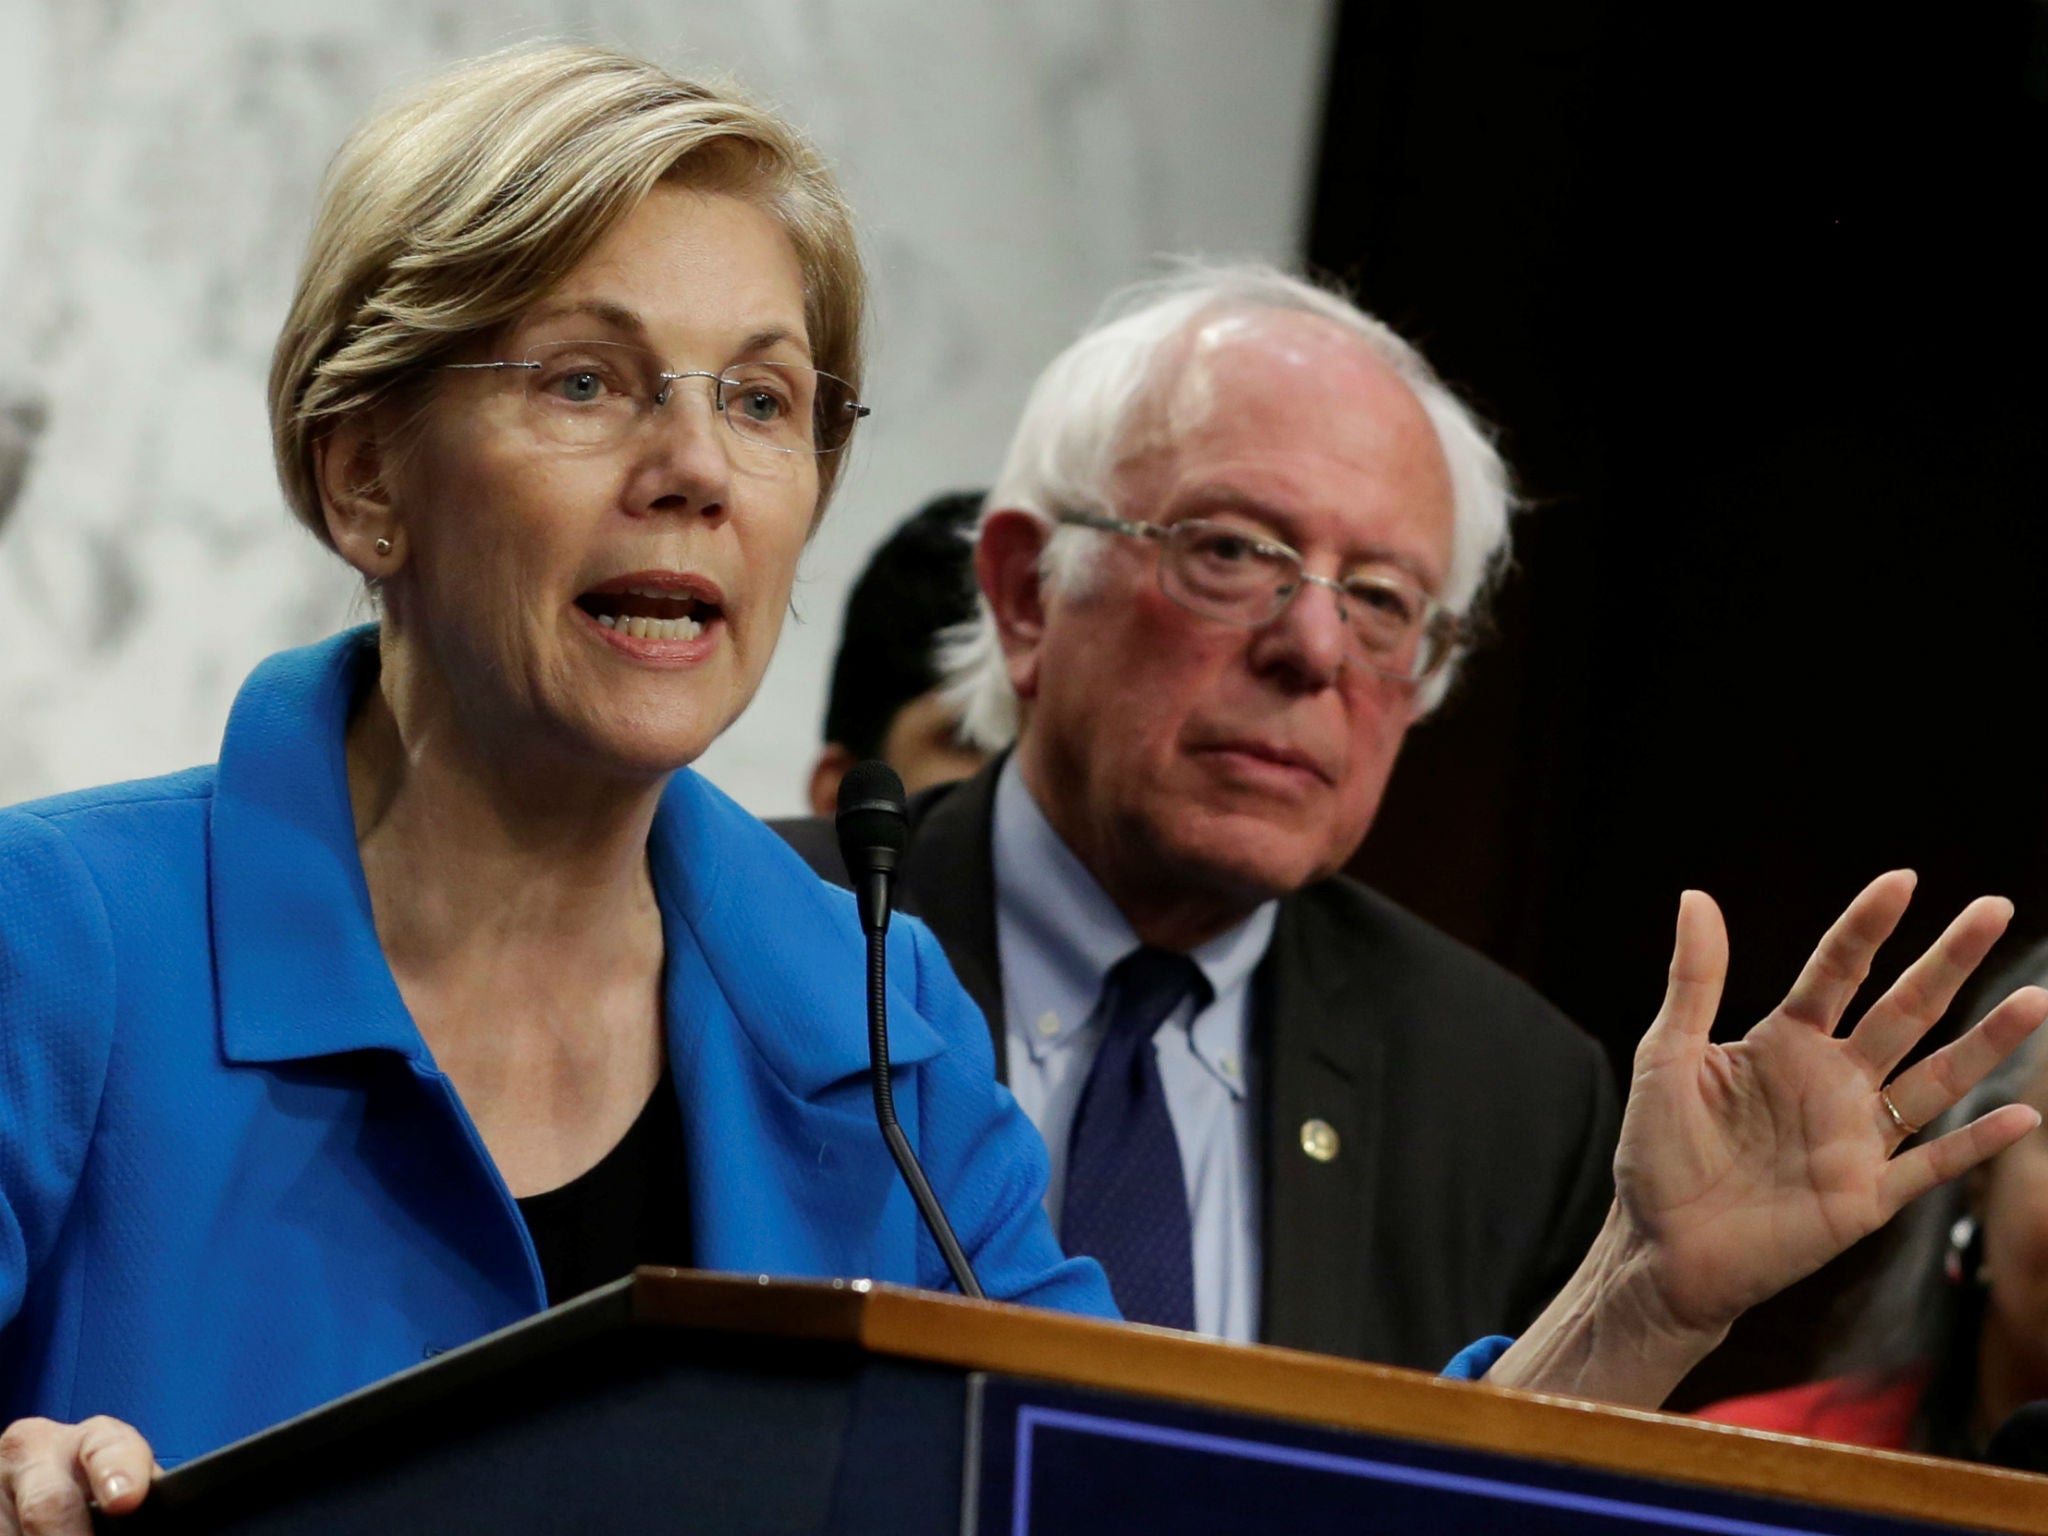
point(949, 880)
point(1319, 1045)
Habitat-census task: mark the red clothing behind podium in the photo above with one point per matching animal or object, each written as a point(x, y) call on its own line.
point(1874, 1409)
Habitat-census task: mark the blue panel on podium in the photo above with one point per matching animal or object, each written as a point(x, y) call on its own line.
point(1053, 1461)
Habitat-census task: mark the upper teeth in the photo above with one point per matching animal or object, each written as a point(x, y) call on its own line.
point(652, 629)
point(653, 592)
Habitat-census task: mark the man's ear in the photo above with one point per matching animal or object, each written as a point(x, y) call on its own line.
point(825, 776)
point(1006, 556)
point(350, 463)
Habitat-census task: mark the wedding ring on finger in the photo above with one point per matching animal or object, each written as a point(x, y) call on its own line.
point(1906, 1127)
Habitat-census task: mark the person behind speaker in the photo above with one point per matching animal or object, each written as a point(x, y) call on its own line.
point(1240, 539)
point(1236, 548)
point(1951, 1337)
point(1191, 774)
point(884, 701)
point(450, 992)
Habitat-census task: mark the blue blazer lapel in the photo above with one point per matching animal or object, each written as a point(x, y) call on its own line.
point(767, 1035)
point(764, 987)
point(295, 944)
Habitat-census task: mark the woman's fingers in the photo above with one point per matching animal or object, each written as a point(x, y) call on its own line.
point(51, 1473)
point(1911, 1174)
point(1921, 995)
point(1929, 1087)
point(116, 1463)
point(47, 1502)
point(37, 1470)
point(1699, 966)
point(1841, 960)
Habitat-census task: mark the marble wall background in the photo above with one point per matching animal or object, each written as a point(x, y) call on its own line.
point(1012, 160)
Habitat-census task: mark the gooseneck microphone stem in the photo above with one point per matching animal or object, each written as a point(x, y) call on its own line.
point(873, 832)
point(885, 1112)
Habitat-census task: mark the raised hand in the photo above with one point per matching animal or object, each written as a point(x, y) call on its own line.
point(1743, 1167)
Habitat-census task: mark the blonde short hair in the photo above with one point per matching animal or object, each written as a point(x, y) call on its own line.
point(452, 212)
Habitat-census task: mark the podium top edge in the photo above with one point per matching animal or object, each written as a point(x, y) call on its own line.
point(946, 1330)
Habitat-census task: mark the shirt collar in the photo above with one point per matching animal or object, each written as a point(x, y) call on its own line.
point(1047, 900)
point(1218, 1033)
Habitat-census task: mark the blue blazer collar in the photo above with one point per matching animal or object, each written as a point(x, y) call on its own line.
point(295, 944)
point(294, 941)
point(785, 949)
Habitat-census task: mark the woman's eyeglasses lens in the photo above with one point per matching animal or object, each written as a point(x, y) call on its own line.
point(593, 394)
point(1224, 573)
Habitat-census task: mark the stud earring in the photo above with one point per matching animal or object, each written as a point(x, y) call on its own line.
point(383, 546)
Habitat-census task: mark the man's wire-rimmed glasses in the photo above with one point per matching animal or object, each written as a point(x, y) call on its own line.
point(595, 394)
point(1225, 572)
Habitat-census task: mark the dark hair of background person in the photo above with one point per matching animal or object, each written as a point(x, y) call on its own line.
point(917, 584)
point(1754, 294)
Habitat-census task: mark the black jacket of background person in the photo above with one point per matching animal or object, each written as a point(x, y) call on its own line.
point(1475, 1123)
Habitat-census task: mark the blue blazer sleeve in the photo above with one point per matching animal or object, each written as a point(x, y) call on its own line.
point(1473, 1361)
point(56, 1029)
point(984, 1154)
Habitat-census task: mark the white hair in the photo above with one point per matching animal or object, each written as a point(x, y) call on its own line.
point(1070, 439)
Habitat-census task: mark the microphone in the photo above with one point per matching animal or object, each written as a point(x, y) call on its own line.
point(873, 832)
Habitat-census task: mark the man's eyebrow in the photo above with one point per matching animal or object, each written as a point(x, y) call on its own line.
point(1220, 499)
point(1412, 568)
point(1286, 528)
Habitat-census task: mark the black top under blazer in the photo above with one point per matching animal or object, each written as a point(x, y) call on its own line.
point(1475, 1123)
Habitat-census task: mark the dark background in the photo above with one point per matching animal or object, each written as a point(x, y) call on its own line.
point(1754, 294)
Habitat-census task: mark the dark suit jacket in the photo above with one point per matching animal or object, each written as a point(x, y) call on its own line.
point(1475, 1123)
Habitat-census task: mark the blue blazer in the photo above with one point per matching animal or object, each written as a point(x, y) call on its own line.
point(234, 1185)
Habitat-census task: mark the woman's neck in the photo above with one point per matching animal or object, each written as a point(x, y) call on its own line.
point(513, 901)
point(510, 887)
point(464, 842)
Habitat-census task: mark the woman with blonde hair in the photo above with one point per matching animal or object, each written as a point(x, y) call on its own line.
point(444, 995)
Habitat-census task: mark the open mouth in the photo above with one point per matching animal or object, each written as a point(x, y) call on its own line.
point(648, 613)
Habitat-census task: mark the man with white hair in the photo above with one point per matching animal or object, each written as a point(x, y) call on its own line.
point(1240, 535)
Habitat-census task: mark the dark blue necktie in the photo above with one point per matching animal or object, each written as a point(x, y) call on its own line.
point(1126, 1202)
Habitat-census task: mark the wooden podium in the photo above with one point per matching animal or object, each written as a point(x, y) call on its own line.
point(678, 1401)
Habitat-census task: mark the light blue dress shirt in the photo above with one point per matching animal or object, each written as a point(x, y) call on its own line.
point(1058, 935)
